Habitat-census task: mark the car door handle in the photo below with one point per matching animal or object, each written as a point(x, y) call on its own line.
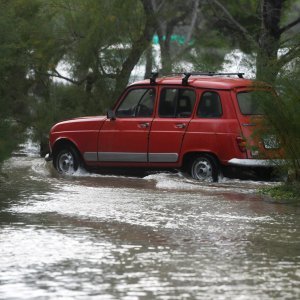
point(182, 125)
point(144, 125)
point(248, 124)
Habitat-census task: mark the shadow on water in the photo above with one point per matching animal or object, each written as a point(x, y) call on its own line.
point(119, 232)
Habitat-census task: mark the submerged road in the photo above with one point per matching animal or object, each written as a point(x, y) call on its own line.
point(160, 236)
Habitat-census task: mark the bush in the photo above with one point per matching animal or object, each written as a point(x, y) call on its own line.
point(282, 120)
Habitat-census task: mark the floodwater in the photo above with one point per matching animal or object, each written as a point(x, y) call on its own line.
point(160, 236)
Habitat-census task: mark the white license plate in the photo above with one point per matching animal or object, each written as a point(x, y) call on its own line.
point(271, 142)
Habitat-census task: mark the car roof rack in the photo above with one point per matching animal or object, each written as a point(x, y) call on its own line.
point(153, 77)
point(187, 75)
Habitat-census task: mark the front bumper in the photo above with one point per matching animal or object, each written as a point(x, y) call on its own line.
point(48, 157)
point(256, 162)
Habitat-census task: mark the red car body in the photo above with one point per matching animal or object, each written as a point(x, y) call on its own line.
point(166, 136)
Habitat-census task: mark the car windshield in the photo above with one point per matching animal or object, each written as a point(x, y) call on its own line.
point(251, 102)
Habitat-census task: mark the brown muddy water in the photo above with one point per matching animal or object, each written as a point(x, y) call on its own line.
point(160, 236)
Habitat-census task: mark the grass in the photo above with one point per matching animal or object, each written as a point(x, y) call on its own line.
point(284, 193)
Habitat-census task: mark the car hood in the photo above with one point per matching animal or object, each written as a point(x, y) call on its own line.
point(83, 123)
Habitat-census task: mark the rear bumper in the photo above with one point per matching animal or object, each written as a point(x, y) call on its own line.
point(256, 162)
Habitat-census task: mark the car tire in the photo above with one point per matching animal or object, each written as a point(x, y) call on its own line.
point(204, 167)
point(67, 160)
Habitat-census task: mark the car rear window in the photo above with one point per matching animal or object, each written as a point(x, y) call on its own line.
point(250, 102)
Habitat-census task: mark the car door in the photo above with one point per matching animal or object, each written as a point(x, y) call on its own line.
point(124, 138)
point(250, 113)
point(174, 113)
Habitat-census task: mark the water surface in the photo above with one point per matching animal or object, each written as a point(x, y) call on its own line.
point(160, 236)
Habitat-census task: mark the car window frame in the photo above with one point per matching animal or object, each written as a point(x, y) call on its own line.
point(125, 94)
point(199, 103)
point(178, 88)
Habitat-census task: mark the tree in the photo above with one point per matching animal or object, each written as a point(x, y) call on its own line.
point(100, 42)
point(266, 35)
point(170, 16)
point(17, 21)
point(282, 120)
point(139, 46)
point(276, 45)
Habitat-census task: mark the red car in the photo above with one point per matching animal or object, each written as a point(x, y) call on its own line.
point(196, 121)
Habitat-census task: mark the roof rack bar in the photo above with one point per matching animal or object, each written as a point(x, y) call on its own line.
point(240, 75)
point(187, 75)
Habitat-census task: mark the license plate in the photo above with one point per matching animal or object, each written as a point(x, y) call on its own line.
point(271, 142)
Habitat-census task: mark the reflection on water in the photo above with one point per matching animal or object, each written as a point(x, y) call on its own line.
point(160, 236)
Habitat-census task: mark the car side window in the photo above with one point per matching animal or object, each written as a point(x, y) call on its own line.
point(210, 105)
point(176, 103)
point(137, 103)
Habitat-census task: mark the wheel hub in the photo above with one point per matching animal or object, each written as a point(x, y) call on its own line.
point(66, 163)
point(203, 170)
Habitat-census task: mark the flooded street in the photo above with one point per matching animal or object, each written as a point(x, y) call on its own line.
point(160, 236)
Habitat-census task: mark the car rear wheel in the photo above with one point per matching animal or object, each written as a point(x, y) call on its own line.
point(66, 161)
point(204, 167)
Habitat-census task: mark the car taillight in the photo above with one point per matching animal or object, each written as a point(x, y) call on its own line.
point(241, 143)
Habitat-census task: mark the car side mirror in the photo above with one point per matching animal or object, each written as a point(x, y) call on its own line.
point(111, 114)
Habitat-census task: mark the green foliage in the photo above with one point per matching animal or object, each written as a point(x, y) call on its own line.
point(100, 42)
point(15, 23)
point(285, 193)
point(285, 119)
point(35, 36)
point(90, 30)
point(282, 120)
point(209, 51)
point(246, 13)
point(6, 143)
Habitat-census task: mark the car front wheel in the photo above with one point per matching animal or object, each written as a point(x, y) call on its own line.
point(66, 161)
point(204, 168)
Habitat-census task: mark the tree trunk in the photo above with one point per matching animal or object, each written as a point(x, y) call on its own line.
point(138, 48)
point(269, 41)
point(149, 62)
point(166, 59)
